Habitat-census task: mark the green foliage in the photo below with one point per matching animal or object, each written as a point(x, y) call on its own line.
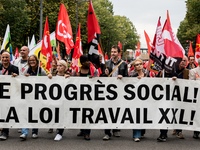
point(23, 16)
point(114, 28)
point(190, 26)
point(14, 13)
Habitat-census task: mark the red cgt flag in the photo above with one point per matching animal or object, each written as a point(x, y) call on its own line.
point(172, 45)
point(64, 30)
point(158, 43)
point(77, 50)
point(197, 51)
point(46, 49)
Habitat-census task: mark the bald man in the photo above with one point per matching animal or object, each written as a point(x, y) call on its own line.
point(6, 68)
point(22, 62)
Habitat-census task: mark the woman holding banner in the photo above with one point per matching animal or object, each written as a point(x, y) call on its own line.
point(32, 70)
point(86, 70)
point(62, 66)
point(138, 72)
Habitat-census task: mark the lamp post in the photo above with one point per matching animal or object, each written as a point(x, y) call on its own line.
point(41, 18)
point(1, 39)
point(77, 12)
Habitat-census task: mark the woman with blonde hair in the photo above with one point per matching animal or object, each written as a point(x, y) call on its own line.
point(62, 66)
point(138, 72)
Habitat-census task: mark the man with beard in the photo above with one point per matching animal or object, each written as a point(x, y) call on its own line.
point(115, 67)
point(180, 72)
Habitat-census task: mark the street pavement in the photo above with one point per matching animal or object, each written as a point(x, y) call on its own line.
point(71, 142)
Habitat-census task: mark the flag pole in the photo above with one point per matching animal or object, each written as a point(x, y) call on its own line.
point(38, 63)
point(41, 18)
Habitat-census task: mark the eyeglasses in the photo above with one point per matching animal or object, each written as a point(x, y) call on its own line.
point(183, 60)
point(138, 64)
point(32, 60)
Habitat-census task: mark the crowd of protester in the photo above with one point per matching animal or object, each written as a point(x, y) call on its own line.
point(115, 67)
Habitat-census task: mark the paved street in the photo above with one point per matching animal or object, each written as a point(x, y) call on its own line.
point(71, 142)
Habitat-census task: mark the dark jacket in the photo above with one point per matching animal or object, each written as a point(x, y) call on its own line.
point(11, 69)
point(181, 74)
point(122, 69)
point(135, 74)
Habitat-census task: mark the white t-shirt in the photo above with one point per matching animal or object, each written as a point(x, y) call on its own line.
point(21, 64)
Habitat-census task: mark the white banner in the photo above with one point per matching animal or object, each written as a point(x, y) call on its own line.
point(99, 103)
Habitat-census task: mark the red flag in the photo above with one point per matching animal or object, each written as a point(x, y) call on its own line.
point(158, 42)
point(137, 51)
point(149, 43)
point(58, 50)
point(120, 45)
point(16, 53)
point(197, 51)
point(172, 45)
point(77, 50)
point(92, 69)
point(93, 36)
point(46, 49)
point(92, 23)
point(190, 51)
point(106, 57)
point(64, 30)
point(157, 60)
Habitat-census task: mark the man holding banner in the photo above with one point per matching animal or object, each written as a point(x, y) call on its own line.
point(6, 68)
point(115, 67)
point(194, 74)
point(180, 72)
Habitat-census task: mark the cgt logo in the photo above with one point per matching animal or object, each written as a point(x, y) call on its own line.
point(62, 30)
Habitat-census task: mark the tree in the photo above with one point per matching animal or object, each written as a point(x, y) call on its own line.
point(114, 28)
point(189, 27)
point(14, 13)
point(24, 19)
point(127, 33)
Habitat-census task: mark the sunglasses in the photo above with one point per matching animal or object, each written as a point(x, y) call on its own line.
point(138, 64)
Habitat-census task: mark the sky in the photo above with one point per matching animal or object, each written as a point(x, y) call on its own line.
point(144, 14)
